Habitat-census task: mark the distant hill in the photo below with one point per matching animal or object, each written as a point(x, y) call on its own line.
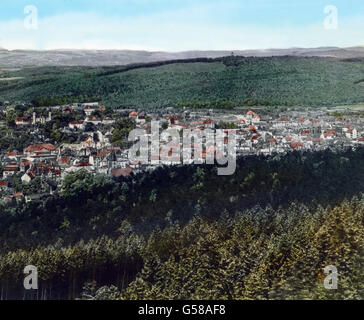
point(196, 83)
point(26, 58)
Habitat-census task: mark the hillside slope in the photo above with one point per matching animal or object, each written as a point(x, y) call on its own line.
point(184, 232)
point(229, 81)
point(94, 58)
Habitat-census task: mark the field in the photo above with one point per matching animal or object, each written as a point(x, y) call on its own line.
point(354, 107)
point(222, 82)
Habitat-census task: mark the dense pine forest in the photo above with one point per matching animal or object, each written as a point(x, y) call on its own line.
point(184, 232)
point(195, 83)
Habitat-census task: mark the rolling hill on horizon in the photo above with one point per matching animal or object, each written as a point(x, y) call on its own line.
point(93, 58)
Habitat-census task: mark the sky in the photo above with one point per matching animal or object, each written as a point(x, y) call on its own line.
point(180, 25)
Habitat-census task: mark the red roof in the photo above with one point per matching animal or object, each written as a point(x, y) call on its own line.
point(83, 164)
point(329, 133)
point(64, 160)
point(272, 140)
point(7, 169)
point(10, 154)
point(19, 194)
point(252, 128)
point(40, 147)
point(77, 122)
point(3, 183)
point(103, 153)
point(22, 119)
point(253, 114)
point(133, 114)
point(295, 145)
point(284, 119)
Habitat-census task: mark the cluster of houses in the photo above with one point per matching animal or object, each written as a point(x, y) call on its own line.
point(315, 130)
point(266, 134)
point(256, 134)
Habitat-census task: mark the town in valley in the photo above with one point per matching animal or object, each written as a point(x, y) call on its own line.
point(41, 146)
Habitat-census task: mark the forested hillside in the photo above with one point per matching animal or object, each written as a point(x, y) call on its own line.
point(217, 83)
point(183, 232)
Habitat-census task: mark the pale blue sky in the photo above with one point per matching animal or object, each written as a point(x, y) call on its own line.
point(176, 25)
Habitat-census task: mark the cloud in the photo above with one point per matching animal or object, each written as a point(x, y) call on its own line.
point(196, 27)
